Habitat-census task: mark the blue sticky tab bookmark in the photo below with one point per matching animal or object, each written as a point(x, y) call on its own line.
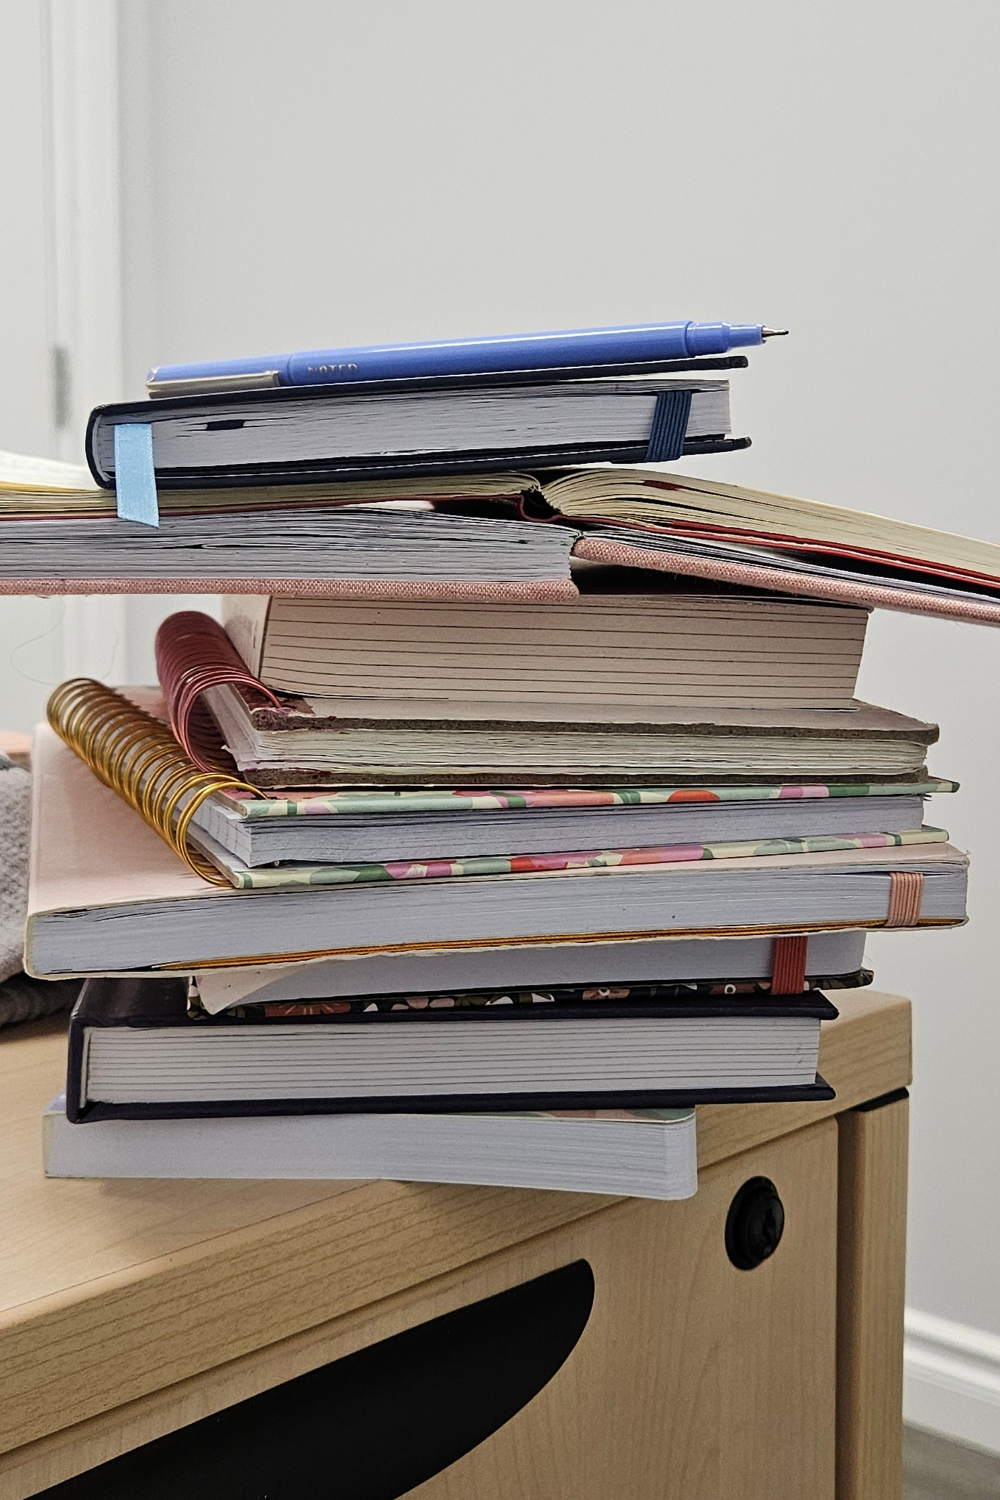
point(135, 478)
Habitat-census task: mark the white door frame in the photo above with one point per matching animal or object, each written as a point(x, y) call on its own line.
point(83, 253)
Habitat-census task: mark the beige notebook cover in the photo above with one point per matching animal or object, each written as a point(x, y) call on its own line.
point(858, 721)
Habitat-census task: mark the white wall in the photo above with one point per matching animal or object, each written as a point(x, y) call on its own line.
point(64, 103)
point(323, 172)
point(29, 629)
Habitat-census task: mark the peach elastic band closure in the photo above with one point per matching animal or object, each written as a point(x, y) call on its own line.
point(906, 894)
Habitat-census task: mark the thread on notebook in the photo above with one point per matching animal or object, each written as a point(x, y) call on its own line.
point(906, 894)
point(670, 420)
point(136, 755)
point(194, 653)
point(788, 970)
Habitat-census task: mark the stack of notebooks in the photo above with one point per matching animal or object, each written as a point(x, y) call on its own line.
point(509, 813)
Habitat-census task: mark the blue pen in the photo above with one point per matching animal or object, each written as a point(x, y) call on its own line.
point(580, 348)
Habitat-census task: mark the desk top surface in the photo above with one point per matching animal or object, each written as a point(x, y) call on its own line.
point(211, 1270)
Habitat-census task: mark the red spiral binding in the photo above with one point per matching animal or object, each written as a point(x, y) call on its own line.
point(193, 653)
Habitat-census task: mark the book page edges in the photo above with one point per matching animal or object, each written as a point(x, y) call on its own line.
point(90, 850)
point(596, 486)
point(244, 619)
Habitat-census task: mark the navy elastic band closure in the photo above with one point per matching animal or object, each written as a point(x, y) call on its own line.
point(670, 420)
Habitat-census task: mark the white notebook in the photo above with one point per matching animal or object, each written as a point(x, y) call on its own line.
point(642, 1153)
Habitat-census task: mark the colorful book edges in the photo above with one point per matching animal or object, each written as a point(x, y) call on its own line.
point(290, 875)
point(304, 803)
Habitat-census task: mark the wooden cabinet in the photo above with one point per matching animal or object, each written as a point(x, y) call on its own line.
point(692, 1380)
point(130, 1312)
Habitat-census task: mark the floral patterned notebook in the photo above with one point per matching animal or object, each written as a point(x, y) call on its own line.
point(559, 997)
point(278, 876)
point(383, 801)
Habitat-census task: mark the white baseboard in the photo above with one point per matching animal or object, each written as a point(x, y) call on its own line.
point(951, 1380)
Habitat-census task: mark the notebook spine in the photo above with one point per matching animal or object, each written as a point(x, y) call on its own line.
point(136, 755)
point(194, 653)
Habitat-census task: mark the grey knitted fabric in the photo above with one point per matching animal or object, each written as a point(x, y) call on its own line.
point(25, 999)
point(15, 817)
point(21, 998)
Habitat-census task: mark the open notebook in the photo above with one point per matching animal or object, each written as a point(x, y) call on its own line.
point(647, 517)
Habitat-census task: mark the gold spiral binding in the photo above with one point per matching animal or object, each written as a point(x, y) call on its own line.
point(137, 756)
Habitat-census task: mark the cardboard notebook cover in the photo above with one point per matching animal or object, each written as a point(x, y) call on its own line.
point(862, 721)
point(162, 1003)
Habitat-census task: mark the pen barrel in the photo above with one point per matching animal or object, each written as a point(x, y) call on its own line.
point(589, 346)
point(642, 343)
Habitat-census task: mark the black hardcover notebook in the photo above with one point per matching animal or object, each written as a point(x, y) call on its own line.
point(407, 428)
point(137, 1051)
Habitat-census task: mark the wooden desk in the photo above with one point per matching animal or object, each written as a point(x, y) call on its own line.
point(130, 1309)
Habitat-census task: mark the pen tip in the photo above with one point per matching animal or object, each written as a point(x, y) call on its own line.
point(773, 333)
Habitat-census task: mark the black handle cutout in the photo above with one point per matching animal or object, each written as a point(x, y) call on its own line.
point(371, 1426)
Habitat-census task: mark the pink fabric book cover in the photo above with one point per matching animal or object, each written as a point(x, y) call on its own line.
point(543, 591)
point(759, 576)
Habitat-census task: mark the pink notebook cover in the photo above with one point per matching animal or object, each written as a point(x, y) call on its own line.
point(542, 591)
point(759, 576)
